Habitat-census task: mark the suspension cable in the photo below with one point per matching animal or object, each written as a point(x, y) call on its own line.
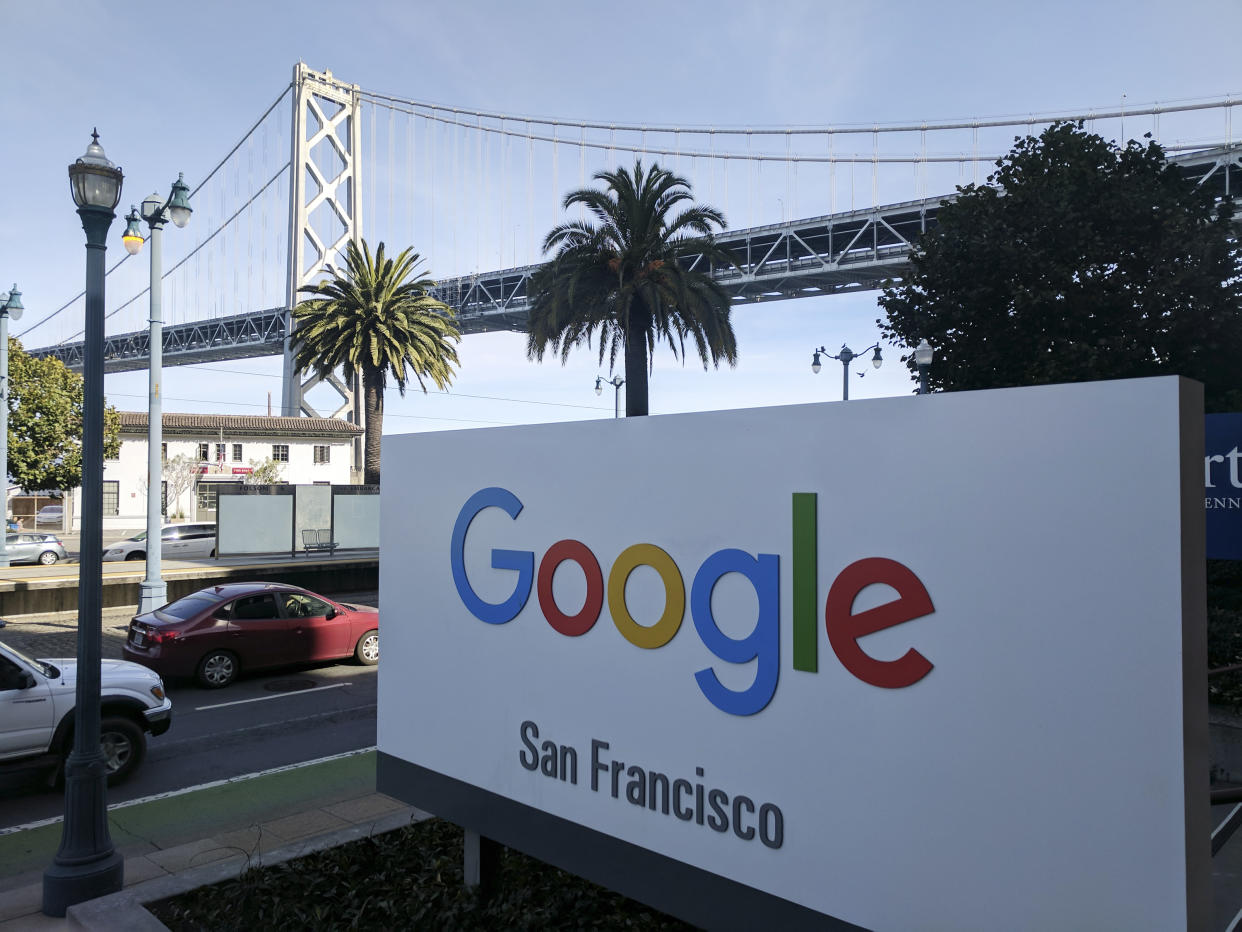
point(844, 128)
point(39, 323)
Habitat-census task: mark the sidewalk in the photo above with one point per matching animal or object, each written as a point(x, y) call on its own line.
point(177, 842)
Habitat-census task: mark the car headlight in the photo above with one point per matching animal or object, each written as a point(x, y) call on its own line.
point(158, 691)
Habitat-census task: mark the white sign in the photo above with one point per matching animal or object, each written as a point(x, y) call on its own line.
point(932, 662)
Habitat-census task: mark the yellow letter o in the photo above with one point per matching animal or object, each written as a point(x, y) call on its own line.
point(662, 631)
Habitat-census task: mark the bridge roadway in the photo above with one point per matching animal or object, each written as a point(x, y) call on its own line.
point(856, 250)
point(42, 590)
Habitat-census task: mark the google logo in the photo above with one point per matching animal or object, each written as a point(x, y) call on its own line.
point(762, 571)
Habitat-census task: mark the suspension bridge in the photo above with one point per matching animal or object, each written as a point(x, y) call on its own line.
point(812, 210)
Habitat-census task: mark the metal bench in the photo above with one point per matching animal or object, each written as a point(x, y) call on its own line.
point(318, 540)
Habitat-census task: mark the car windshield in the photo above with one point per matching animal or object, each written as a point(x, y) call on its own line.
point(188, 607)
point(142, 536)
point(45, 668)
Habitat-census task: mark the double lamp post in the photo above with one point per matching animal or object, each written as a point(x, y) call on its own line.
point(616, 382)
point(923, 354)
point(153, 591)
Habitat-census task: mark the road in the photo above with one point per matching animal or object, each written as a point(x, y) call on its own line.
point(262, 721)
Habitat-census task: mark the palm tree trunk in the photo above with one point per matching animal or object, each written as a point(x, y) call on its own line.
point(636, 328)
point(373, 416)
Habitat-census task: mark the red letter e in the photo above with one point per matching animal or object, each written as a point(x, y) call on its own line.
point(845, 628)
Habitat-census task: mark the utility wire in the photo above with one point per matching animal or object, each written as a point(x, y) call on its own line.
point(250, 404)
point(524, 401)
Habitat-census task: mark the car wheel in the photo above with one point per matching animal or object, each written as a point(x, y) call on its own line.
point(218, 668)
point(47, 558)
point(123, 746)
point(367, 651)
point(135, 555)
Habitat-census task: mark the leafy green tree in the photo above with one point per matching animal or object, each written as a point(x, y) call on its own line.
point(375, 317)
point(627, 275)
point(45, 423)
point(1078, 260)
point(264, 472)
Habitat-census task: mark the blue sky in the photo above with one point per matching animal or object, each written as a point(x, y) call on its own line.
point(172, 87)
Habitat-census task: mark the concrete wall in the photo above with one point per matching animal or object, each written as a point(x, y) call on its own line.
point(37, 596)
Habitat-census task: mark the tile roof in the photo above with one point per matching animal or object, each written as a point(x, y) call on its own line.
point(240, 425)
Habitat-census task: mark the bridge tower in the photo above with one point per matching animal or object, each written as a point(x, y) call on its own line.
point(325, 212)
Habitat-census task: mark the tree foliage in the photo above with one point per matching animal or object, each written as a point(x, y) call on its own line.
point(180, 473)
point(626, 276)
point(45, 423)
point(1078, 260)
point(264, 472)
point(376, 318)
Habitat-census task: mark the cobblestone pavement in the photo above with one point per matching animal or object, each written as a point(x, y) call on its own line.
point(58, 637)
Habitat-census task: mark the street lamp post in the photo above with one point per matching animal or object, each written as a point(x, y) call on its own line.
point(846, 356)
point(10, 306)
point(87, 865)
point(923, 354)
point(153, 591)
point(616, 382)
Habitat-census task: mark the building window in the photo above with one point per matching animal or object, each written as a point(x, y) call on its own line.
point(206, 494)
point(111, 497)
point(204, 451)
point(237, 453)
point(323, 453)
point(163, 453)
point(280, 452)
point(220, 454)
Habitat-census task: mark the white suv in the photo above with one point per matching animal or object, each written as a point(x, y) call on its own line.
point(36, 713)
point(178, 542)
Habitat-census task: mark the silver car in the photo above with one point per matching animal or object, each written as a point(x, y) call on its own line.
point(180, 542)
point(35, 548)
point(50, 514)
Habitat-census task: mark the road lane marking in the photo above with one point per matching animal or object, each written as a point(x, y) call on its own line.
point(296, 692)
point(171, 794)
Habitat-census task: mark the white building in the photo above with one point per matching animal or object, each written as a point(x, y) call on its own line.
point(226, 448)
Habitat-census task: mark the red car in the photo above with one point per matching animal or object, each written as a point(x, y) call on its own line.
point(216, 633)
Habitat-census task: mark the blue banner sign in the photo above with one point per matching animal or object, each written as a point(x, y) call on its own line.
point(1222, 481)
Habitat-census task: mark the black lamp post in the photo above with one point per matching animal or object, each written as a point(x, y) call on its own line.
point(153, 591)
point(846, 356)
point(923, 354)
point(616, 382)
point(87, 865)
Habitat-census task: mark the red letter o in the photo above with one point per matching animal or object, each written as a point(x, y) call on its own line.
point(558, 553)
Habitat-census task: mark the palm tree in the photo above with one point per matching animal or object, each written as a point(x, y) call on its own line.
point(630, 274)
point(375, 319)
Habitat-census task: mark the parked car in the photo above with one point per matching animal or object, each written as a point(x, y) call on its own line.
point(50, 516)
point(177, 542)
point(36, 714)
point(34, 548)
point(218, 632)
